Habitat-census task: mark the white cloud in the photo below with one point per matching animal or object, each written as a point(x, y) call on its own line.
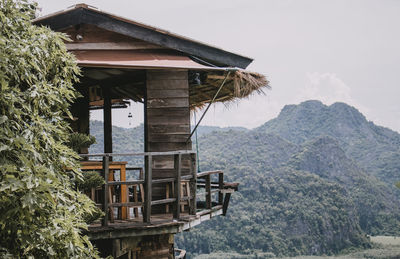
point(328, 88)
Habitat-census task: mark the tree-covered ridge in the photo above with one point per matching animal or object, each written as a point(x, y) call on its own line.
point(301, 191)
point(374, 148)
point(377, 206)
point(285, 212)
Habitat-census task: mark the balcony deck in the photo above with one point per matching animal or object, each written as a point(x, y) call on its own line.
point(160, 224)
point(207, 196)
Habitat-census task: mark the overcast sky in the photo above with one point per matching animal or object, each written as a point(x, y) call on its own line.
point(338, 50)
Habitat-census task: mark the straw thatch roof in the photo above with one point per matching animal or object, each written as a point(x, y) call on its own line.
point(239, 84)
point(130, 84)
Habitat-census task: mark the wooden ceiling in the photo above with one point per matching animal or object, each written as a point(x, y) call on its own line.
point(123, 84)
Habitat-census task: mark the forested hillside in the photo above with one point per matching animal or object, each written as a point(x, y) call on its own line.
point(375, 148)
point(314, 180)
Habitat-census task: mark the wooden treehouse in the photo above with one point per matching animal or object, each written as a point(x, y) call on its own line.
point(121, 61)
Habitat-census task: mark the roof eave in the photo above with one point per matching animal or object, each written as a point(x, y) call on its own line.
point(82, 15)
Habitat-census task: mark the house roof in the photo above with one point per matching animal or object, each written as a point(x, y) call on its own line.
point(84, 14)
point(136, 59)
point(113, 50)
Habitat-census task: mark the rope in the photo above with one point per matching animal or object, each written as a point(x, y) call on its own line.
point(208, 107)
point(197, 146)
point(202, 116)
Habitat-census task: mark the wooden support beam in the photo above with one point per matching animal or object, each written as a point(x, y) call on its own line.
point(148, 189)
point(226, 203)
point(208, 191)
point(124, 193)
point(107, 121)
point(178, 169)
point(106, 170)
point(135, 199)
point(193, 184)
point(203, 174)
point(163, 201)
point(111, 46)
point(124, 204)
point(221, 186)
point(145, 121)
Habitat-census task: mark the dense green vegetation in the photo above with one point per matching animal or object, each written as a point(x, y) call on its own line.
point(41, 213)
point(311, 182)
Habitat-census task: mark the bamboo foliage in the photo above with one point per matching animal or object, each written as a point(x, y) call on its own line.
point(41, 214)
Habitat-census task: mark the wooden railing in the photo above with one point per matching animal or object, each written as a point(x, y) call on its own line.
point(203, 180)
point(180, 253)
point(148, 181)
point(208, 185)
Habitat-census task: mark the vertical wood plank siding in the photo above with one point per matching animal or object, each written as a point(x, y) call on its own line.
point(167, 123)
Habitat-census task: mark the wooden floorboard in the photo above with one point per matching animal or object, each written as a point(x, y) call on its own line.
point(160, 223)
point(158, 219)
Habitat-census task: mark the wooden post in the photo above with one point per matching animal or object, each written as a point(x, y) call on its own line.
point(135, 199)
point(208, 190)
point(83, 118)
point(177, 167)
point(220, 186)
point(193, 184)
point(123, 194)
point(93, 194)
point(148, 188)
point(167, 192)
point(141, 177)
point(107, 124)
point(106, 169)
point(226, 203)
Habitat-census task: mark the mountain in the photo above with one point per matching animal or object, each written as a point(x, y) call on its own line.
point(315, 180)
point(328, 146)
point(375, 148)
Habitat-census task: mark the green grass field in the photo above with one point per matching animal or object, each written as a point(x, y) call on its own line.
point(386, 240)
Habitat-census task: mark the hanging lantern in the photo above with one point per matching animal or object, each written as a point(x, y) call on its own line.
point(130, 118)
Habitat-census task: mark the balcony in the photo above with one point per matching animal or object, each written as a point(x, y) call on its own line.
point(143, 205)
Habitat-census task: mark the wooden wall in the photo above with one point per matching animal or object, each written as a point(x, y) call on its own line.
point(167, 121)
point(150, 247)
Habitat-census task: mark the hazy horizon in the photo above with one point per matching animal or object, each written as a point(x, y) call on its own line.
point(99, 119)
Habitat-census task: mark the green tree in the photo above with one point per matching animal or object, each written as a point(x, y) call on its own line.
point(41, 213)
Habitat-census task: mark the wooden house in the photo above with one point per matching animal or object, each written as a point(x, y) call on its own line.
point(171, 75)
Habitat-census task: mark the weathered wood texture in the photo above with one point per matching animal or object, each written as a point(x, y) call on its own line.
point(167, 123)
point(107, 122)
point(156, 246)
point(83, 15)
point(91, 37)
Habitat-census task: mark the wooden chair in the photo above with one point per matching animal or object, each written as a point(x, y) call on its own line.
point(135, 195)
point(114, 165)
point(185, 193)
